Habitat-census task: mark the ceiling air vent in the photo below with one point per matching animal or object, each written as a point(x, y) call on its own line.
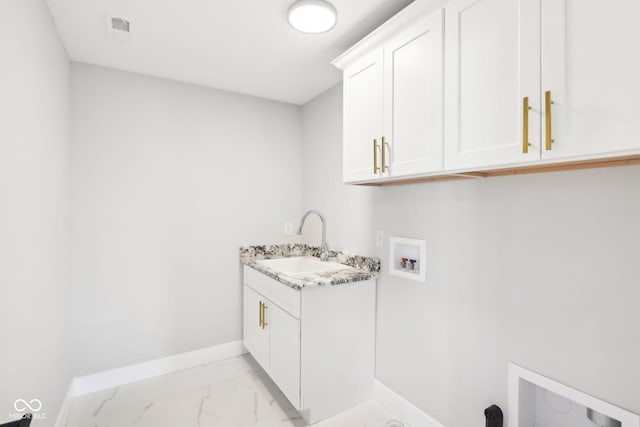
point(118, 28)
point(120, 24)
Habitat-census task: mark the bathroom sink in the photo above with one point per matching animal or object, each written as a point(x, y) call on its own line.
point(302, 265)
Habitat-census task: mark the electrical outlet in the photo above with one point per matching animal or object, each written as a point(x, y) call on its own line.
point(379, 239)
point(288, 229)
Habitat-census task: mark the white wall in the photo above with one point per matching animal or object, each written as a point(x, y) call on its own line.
point(349, 221)
point(34, 210)
point(540, 270)
point(169, 180)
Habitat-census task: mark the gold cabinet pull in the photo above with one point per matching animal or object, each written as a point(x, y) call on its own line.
point(385, 147)
point(376, 169)
point(264, 317)
point(525, 125)
point(547, 106)
point(260, 314)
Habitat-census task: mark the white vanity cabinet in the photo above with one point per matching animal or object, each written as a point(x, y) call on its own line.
point(317, 344)
point(393, 106)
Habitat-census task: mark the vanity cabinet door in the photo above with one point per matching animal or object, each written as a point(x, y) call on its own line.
point(256, 336)
point(413, 98)
point(363, 110)
point(591, 66)
point(284, 352)
point(492, 62)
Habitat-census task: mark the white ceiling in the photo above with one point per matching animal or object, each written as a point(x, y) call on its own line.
point(244, 46)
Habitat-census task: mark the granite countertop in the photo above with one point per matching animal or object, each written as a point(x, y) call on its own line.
point(362, 268)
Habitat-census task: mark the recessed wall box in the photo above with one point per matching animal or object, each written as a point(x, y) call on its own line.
point(535, 400)
point(407, 258)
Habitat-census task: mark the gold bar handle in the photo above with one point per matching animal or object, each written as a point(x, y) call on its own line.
point(264, 315)
point(547, 106)
point(525, 125)
point(260, 314)
point(385, 147)
point(376, 169)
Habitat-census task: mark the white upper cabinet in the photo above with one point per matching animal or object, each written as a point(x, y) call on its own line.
point(363, 112)
point(492, 64)
point(393, 100)
point(491, 86)
point(413, 99)
point(591, 67)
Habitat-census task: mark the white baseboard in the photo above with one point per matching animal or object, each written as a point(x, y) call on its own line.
point(406, 411)
point(153, 368)
point(61, 420)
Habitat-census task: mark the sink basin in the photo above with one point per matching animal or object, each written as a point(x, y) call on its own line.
point(302, 265)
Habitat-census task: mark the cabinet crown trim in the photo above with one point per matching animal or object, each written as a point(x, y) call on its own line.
point(399, 21)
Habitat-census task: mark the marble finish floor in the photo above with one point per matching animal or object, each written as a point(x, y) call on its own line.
point(231, 393)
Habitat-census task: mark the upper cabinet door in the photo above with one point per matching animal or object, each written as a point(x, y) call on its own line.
point(590, 66)
point(492, 65)
point(363, 109)
point(413, 99)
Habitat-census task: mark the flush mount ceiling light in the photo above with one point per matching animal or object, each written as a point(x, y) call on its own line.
point(313, 16)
